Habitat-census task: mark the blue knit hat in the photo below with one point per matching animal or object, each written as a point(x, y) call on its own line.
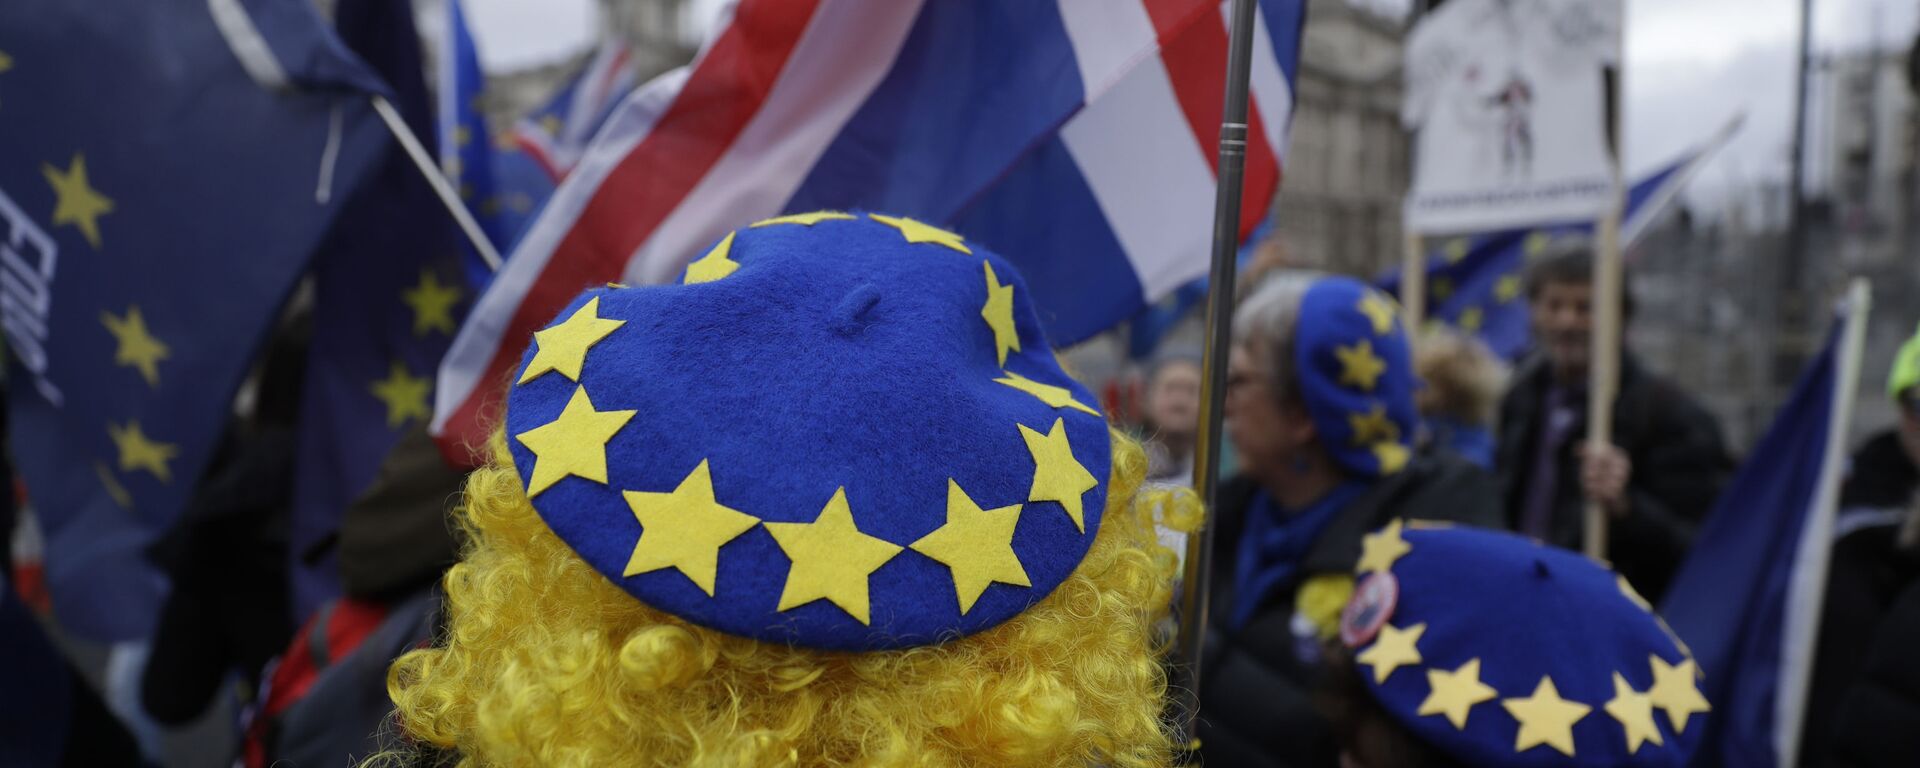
point(840, 431)
point(1501, 652)
point(1356, 375)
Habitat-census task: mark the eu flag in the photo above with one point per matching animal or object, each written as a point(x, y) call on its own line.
point(1474, 282)
point(388, 295)
point(169, 166)
point(1748, 597)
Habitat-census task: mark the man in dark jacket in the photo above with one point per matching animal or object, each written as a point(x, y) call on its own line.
point(1658, 479)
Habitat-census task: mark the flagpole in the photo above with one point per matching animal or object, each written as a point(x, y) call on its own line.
point(1220, 293)
point(1413, 280)
point(441, 187)
point(1808, 587)
point(1604, 362)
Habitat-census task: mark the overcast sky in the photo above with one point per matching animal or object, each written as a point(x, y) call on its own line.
point(1692, 65)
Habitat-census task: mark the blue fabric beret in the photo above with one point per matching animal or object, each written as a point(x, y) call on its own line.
point(1501, 652)
point(839, 431)
point(1356, 375)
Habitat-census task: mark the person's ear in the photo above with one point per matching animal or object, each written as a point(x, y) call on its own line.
point(1298, 425)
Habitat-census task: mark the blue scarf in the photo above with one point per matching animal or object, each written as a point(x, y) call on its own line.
point(1274, 542)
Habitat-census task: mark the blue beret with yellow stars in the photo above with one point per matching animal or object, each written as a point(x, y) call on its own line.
point(842, 431)
point(1356, 375)
point(1502, 651)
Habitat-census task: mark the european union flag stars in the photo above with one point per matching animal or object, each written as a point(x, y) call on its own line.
point(686, 479)
point(1586, 671)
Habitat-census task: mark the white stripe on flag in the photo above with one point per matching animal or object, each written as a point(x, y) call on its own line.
point(1138, 155)
point(1109, 39)
point(255, 55)
point(480, 335)
point(1807, 585)
point(1271, 93)
point(848, 48)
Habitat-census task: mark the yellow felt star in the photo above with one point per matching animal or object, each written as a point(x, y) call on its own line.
point(832, 559)
point(1442, 289)
point(1537, 243)
point(1471, 319)
point(1507, 288)
point(1545, 718)
point(1456, 250)
point(804, 219)
point(1379, 310)
point(404, 394)
point(139, 452)
point(563, 347)
point(575, 443)
point(1057, 475)
point(918, 232)
point(1455, 693)
point(714, 265)
point(136, 347)
point(1373, 426)
point(977, 545)
point(1359, 366)
point(1393, 649)
point(77, 203)
point(1634, 710)
point(1054, 397)
point(999, 315)
point(1380, 549)
point(1674, 691)
point(1392, 457)
point(684, 529)
point(432, 304)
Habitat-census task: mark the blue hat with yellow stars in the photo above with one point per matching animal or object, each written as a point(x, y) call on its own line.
point(1502, 651)
point(1356, 375)
point(842, 431)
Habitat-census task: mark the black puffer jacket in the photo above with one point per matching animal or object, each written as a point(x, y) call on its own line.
point(1679, 465)
point(1864, 679)
point(1257, 697)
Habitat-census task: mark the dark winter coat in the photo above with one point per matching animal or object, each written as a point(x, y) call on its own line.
point(1257, 696)
point(1679, 464)
point(1865, 678)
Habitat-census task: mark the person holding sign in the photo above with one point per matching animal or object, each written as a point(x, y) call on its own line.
point(1660, 476)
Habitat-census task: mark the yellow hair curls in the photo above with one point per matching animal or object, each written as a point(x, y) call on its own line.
point(546, 663)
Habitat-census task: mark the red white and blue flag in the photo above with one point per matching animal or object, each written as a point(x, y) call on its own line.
point(1077, 138)
point(557, 133)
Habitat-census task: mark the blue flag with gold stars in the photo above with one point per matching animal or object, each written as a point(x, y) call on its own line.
point(388, 295)
point(1475, 282)
point(169, 167)
point(501, 183)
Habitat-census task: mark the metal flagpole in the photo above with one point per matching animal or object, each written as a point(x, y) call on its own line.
point(1604, 364)
point(441, 187)
point(1206, 464)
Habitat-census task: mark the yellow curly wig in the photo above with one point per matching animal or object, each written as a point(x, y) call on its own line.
point(545, 662)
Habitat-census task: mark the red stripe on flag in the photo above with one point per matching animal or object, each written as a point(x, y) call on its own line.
point(718, 100)
point(1193, 47)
